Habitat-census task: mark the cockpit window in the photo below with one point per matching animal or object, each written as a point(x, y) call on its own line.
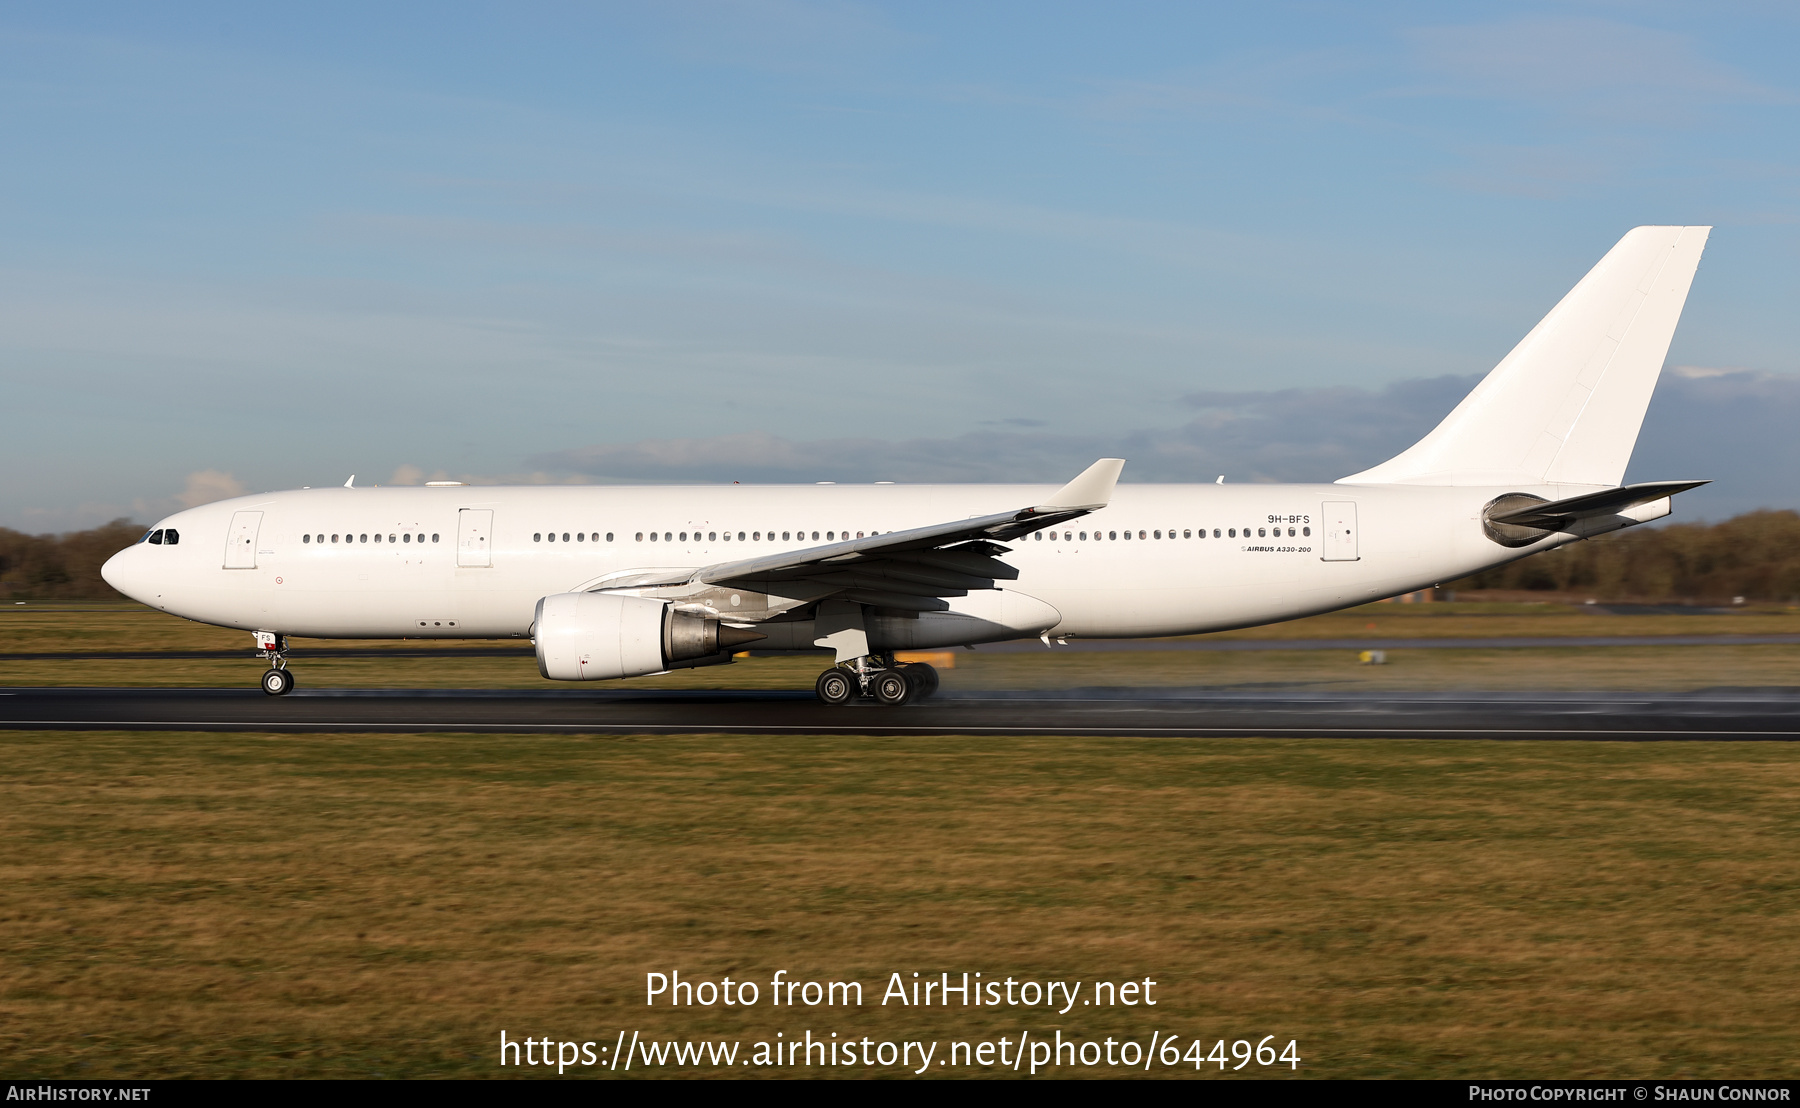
point(171, 537)
point(151, 536)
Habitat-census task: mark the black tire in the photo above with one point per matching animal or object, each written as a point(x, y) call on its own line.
point(836, 686)
point(278, 682)
point(892, 687)
point(923, 676)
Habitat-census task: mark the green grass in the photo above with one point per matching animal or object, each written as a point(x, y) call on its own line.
point(344, 905)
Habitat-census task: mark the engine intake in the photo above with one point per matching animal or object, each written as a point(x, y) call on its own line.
point(596, 636)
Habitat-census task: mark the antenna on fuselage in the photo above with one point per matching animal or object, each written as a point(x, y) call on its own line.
point(350, 484)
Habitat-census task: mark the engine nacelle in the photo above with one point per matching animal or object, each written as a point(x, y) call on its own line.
point(595, 636)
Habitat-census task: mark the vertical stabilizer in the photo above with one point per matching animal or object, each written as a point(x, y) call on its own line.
point(1566, 405)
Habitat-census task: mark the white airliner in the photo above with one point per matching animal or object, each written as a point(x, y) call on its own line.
point(624, 582)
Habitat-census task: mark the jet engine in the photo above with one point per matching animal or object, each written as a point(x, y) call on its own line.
point(593, 636)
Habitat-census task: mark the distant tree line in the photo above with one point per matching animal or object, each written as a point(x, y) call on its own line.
point(62, 567)
point(1755, 556)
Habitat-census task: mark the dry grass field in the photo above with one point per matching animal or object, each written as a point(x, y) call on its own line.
point(348, 905)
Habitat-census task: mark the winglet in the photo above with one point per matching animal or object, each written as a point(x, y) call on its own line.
point(350, 484)
point(1091, 490)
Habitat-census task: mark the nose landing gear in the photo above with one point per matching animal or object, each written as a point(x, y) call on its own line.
point(272, 645)
point(277, 682)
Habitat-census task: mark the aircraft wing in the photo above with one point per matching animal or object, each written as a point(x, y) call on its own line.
point(1558, 514)
point(914, 570)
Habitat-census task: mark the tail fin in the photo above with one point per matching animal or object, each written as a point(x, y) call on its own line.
point(1565, 406)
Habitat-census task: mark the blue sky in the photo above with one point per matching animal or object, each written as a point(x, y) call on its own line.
point(793, 241)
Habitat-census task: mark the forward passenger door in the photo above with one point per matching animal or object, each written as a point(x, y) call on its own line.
point(240, 544)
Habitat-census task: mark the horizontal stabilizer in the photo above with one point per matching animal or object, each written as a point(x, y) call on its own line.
point(1555, 515)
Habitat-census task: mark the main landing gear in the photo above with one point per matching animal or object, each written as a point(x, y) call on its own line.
point(272, 646)
point(877, 676)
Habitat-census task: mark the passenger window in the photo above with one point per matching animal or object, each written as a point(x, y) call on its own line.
point(1141, 535)
point(363, 538)
point(581, 536)
point(712, 536)
point(666, 537)
point(434, 537)
point(829, 535)
point(609, 535)
point(537, 536)
point(1084, 535)
point(565, 536)
point(1185, 533)
point(684, 536)
point(757, 535)
point(1306, 531)
point(728, 536)
point(1039, 536)
point(640, 536)
point(305, 538)
point(653, 536)
point(1114, 535)
point(1234, 532)
point(406, 538)
point(740, 536)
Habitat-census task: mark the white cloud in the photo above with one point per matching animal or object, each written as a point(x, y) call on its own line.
point(207, 486)
point(1730, 425)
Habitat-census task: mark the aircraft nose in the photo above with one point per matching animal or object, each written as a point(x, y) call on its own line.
point(124, 571)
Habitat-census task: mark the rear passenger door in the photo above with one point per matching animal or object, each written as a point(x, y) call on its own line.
point(1339, 531)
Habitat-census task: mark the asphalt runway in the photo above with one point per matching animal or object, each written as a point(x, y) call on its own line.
point(1770, 714)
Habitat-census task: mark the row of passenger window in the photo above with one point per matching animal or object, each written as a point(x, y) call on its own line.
point(832, 536)
point(1186, 533)
point(403, 537)
point(753, 536)
point(167, 536)
point(697, 536)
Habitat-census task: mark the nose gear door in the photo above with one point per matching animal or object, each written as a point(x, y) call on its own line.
point(240, 544)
